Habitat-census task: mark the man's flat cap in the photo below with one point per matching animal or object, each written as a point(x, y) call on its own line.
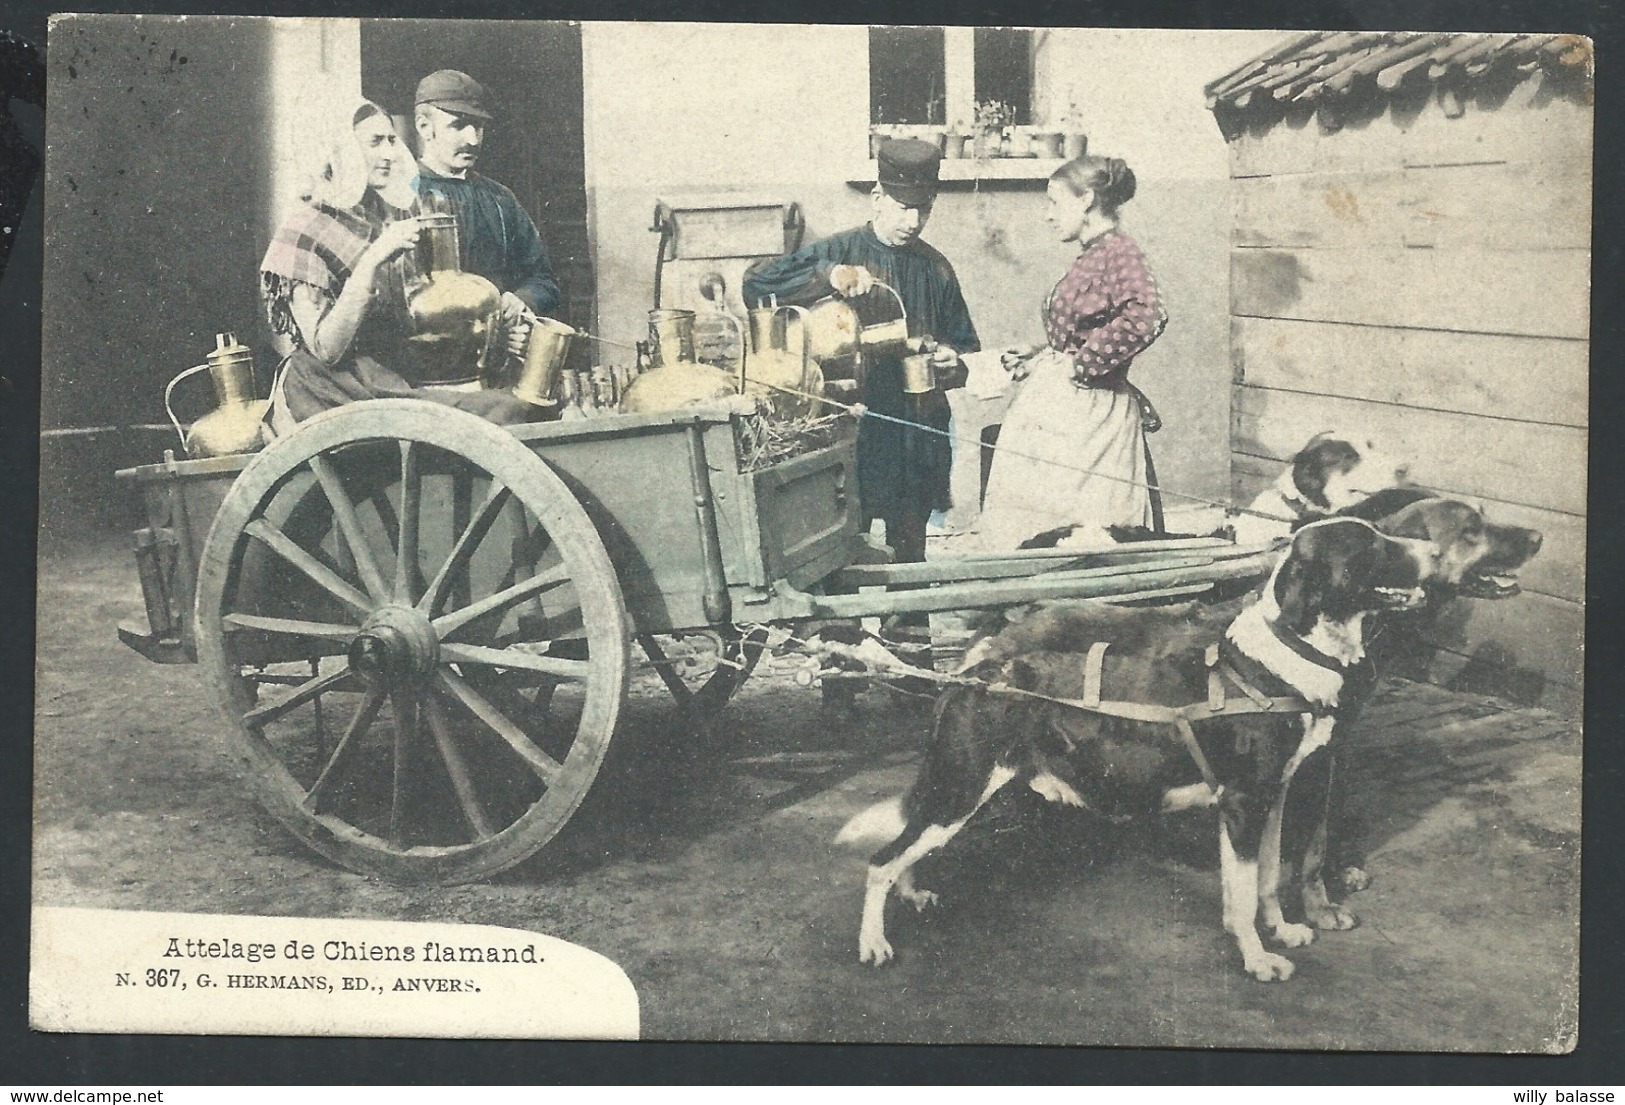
point(908, 170)
point(449, 90)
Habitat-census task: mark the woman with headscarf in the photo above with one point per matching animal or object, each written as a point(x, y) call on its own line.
point(1072, 448)
point(334, 280)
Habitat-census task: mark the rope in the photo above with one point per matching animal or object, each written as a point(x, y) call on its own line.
point(858, 410)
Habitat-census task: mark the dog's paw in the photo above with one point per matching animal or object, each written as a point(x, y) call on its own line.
point(1332, 917)
point(875, 950)
point(919, 899)
point(1289, 935)
point(1056, 789)
point(1268, 967)
point(1354, 879)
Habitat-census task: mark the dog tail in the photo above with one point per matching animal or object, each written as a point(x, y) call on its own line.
point(881, 823)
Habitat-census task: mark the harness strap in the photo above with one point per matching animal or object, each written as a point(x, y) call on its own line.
point(1215, 685)
point(1188, 735)
point(1217, 704)
point(1093, 672)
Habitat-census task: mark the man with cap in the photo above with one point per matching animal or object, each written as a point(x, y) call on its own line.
point(902, 472)
point(498, 239)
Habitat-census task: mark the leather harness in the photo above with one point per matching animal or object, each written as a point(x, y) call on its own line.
point(1220, 670)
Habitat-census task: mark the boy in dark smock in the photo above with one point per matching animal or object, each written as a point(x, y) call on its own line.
point(902, 472)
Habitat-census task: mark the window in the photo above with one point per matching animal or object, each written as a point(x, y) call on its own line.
point(935, 76)
point(1003, 59)
point(906, 75)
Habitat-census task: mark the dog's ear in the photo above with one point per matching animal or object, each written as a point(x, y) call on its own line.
point(1299, 585)
point(1413, 521)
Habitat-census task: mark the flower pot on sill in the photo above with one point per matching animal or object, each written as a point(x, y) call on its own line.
point(1076, 146)
point(987, 143)
point(1049, 144)
point(953, 145)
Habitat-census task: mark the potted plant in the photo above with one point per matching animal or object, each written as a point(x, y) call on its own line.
point(1074, 143)
point(1048, 142)
point(992, 117)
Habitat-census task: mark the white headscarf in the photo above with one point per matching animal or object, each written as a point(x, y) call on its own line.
point(335, 167)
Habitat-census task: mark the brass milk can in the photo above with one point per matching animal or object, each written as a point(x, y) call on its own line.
point(455, 314)
point(234, 425)
point(677, 379)
point(778, 367)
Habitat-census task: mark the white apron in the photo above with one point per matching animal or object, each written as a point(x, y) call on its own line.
point(1057, 442)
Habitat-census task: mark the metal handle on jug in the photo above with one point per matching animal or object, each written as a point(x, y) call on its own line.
point(895, 294)
point(169, 390)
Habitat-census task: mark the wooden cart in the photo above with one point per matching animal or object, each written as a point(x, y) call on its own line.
point(418, 624)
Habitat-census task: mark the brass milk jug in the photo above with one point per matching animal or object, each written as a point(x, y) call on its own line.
point(454, 313)
point(778, 368)
point(234, 425)
point(677, 379)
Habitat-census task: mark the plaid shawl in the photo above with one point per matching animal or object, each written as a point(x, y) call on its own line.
point(318, 246)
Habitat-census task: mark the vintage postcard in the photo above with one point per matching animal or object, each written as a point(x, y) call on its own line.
point(812, 533)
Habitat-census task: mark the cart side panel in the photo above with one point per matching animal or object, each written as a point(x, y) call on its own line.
point(636, 487)
point(793, 521)
point(808, 513)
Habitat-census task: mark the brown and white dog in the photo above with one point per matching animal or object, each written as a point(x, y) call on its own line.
point(1473, 558)
point(1330, 474)
point(1299, 637)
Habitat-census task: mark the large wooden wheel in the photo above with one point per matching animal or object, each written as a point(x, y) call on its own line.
point(417, 637)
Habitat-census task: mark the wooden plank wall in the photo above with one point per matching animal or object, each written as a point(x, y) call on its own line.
point(1425, 282)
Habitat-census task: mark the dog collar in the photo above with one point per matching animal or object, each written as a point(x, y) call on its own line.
point(1257, 648)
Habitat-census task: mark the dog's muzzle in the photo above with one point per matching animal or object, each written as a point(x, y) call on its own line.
point(1400, 598)
point(1490, 585)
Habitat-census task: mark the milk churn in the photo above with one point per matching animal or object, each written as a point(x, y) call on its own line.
point(454, 313)
point(234, 425)
point(677, 379)
point(778, 367)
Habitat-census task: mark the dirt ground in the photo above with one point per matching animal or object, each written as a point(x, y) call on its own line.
point(704, 866)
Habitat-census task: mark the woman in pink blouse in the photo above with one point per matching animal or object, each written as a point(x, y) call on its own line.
point(1075, 419)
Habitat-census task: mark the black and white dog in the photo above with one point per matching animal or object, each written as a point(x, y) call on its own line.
point(1298, 638)
point(1330, 474)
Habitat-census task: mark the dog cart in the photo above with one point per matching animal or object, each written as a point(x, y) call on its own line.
point(417, 625)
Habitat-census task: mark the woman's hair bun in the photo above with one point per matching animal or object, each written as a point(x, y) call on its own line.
point(1119, 185)
point(1109, 178)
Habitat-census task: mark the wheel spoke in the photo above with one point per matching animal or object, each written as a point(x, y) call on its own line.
point(359, 724)
point(447, 624)
point(406, 542)
point(318, 573)
point(404, 705)
point(464, 547)
point(271, 711)
point(457, 769)
point(350, 526)
point(574, 670)
point(545, 766)
point(295, 627)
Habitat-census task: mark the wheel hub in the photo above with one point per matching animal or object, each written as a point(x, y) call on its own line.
point(397, 644)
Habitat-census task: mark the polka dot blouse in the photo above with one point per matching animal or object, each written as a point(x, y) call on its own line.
point(1106, 309)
